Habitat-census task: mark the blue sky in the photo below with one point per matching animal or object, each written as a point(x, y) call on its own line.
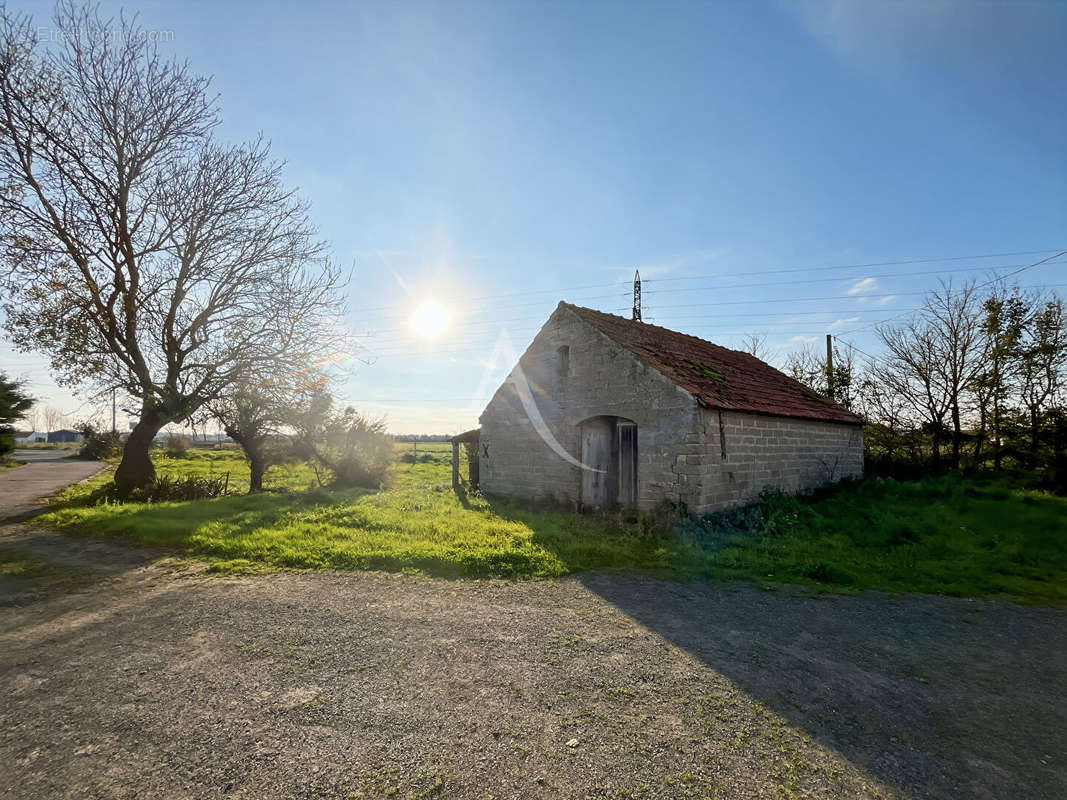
point(500, 157)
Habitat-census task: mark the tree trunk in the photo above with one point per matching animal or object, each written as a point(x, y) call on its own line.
point(136, 469)
point(257, 465)
point(979, 442)
point(996, 434)
point(957, 436)
point(1035, 435)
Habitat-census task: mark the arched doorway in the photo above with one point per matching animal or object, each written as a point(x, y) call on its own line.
point(609, 459)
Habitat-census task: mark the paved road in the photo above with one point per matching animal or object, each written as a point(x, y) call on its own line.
point(47, 471)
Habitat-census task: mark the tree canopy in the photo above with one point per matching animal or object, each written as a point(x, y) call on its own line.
point(14, 403)
point(138, 251)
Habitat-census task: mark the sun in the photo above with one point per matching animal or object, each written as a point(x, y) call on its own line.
point(430, 319)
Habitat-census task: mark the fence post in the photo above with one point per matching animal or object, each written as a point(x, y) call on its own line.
point(455, 465)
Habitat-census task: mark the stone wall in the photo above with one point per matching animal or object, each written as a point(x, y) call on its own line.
point(593, 377)
point(684, 454)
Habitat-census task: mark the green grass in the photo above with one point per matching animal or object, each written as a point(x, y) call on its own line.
point(947, 535)
point(419, 523)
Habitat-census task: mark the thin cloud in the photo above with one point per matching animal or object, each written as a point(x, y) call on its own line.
point(863, 286)
point(884, 38)
point(802, 339)
point(686, 261)
point(884, 301)
point(837, 323)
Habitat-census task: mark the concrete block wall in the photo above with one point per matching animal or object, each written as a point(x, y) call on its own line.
point(748, 452)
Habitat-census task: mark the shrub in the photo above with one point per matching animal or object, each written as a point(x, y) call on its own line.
point(175, 445)
point(164, 489)
point(350, 448)
point(98, 445)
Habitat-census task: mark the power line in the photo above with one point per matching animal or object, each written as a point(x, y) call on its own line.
point(853, 347)
point(855, 266)
point(830, 297)
point(565, 291)
point(977, 286)
point(839, 278)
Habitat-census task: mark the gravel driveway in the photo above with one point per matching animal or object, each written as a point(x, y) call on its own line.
point(127, 673)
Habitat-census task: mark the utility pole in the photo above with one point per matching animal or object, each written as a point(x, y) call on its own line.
point(637, 296)
point(113, 428)
point(829, 366)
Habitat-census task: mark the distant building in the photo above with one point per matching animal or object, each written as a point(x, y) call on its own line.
point(64, 435)
point(604, 411)
point(29, 437)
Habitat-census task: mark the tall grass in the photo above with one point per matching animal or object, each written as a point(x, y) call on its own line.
point(945, 535)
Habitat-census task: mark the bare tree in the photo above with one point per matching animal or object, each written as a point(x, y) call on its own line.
point(53, 419)
point(912, 372)
point(1043, 356)
point(141, 254)
point(953, 324)
point(886, 412)
point(809, 367)
point(755, 344)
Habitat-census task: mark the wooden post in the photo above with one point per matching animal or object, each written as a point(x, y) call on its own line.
point(455, 465)
point(829, 366)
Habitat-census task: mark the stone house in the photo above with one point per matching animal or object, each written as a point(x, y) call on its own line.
point(603, 411)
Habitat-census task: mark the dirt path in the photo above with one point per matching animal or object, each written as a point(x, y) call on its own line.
point(132, 673)
point(156, 682)
point(46, 472)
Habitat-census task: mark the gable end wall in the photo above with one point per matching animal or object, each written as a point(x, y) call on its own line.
point(602, 379)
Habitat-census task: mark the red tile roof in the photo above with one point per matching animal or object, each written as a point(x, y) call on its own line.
point(716, 376)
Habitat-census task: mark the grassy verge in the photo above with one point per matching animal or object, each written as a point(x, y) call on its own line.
point(947, 535)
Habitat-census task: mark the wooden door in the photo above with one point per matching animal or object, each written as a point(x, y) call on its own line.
point(626, 449)
point(596, 460)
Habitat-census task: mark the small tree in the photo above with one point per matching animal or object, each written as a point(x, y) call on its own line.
point(350, 448)
point(1004, 316)
point(809, 368)
point(1043, 355)
point(14, 405)
point(755, 344)
point(259, 417)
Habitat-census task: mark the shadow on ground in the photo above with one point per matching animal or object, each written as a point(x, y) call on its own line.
point(938, 697)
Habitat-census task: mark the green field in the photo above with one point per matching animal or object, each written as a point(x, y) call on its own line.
point(946, 535)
